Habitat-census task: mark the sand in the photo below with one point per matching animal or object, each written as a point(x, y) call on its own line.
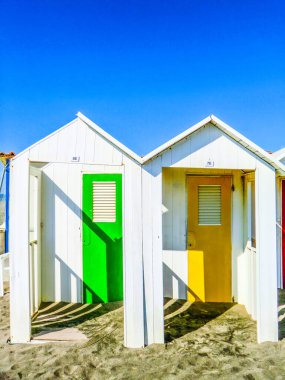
point(203, 341)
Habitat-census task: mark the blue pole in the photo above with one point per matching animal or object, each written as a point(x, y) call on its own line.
point(7, 169)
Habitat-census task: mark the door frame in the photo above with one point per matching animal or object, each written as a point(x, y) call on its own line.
point(35, 245)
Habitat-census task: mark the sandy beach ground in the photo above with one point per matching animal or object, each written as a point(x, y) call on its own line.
point(203, 341)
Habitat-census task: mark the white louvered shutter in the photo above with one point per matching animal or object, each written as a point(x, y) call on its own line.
point(210, 202)
point(104, 201)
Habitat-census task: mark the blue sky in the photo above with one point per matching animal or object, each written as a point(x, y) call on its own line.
point(143, 70)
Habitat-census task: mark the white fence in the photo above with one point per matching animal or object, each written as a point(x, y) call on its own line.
point(251, 278)
point(4, 271)
point(35, 289)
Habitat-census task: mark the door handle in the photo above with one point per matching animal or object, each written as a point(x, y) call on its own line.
point(191, 240)
point(86, 237)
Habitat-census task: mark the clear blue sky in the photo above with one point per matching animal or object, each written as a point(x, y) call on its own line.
point(143, 70)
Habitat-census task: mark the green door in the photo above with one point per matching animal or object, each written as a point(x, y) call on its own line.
point(102, 238)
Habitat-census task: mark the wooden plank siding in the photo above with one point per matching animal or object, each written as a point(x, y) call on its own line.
point(133, 261)
point(152, 251)
point(266, 265)
point(20, 324)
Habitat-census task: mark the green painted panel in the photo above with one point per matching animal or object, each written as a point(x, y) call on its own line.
point(102, 246)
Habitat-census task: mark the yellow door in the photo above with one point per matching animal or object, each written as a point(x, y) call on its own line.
point(209, 239)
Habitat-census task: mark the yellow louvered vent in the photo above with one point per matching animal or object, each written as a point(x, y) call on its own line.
point(210, 202)
point(104, 201)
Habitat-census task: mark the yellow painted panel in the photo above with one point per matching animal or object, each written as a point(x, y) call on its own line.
point(196, 276)
point(213, 240)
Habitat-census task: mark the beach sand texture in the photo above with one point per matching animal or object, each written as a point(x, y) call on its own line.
point(203, 341)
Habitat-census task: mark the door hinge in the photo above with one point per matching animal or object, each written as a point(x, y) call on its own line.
point(233, 187)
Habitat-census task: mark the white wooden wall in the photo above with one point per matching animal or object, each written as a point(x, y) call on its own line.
point(152, 252)
point(20, 321)
point(174, 232)
point(266, 264)
point(133, 261)
point(209, 143)
point(76, 139)
point(257, 269)
point(62, 229)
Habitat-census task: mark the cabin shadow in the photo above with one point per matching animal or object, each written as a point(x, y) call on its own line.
point(58, 315)
point(182, 317)
point(52, 316)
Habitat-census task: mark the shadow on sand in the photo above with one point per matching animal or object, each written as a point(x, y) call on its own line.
point(182, 317)
point(52, 316)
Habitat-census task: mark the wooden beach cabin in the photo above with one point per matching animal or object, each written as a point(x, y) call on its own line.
point(91, 221)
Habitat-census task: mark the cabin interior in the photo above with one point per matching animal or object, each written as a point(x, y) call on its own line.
point(209, 236)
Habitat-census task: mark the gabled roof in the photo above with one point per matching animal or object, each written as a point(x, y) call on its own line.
point(242, 140)
point(272, 159)
point(97, 129)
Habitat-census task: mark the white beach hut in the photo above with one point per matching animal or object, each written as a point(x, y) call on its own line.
point(91, 221)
